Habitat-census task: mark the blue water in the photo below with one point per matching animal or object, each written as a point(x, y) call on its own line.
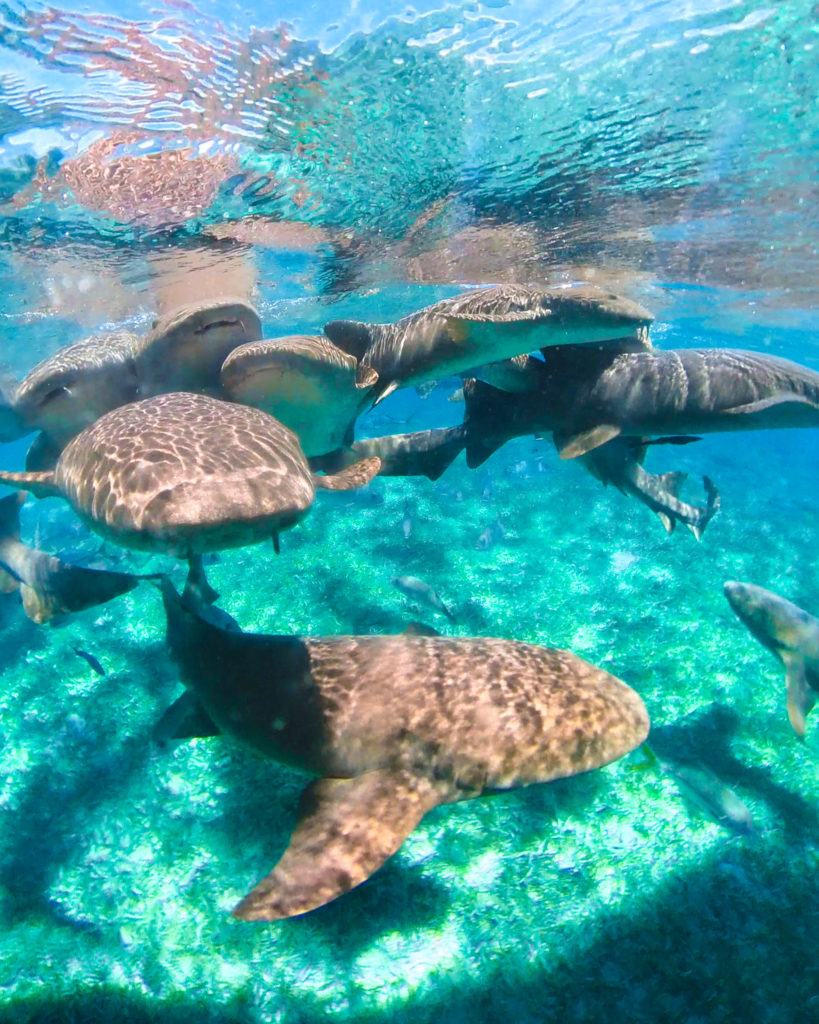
point(364, 160)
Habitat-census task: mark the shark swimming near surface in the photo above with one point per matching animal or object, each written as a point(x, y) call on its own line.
point(390, 727)
point(791, 634)
point(618, 461)
point(486, 325)
point(586, 398)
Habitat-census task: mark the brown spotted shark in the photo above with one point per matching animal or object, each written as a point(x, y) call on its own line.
point(485, 325)
point(389, 727)
point(791, 634)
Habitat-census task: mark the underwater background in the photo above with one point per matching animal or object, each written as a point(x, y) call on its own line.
point(363, 160)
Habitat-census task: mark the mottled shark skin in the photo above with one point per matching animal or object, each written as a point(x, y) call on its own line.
point(185, 350)
point(65, 393)
point(586, 398)
point(791, 634)
point(306, 382)
point(484, 326)
point(618, 462)
point(421, 453)
point(48, 586)
point(392, 726)
point(185, 474)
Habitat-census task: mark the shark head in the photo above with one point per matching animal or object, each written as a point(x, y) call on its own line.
point(776, 623)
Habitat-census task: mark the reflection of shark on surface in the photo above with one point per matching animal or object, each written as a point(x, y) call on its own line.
point(390, 727)
point(791, 634)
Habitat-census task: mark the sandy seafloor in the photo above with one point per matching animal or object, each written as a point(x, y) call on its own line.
point(598, 898)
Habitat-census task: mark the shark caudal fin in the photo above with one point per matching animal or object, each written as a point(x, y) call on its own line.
point(487, 418)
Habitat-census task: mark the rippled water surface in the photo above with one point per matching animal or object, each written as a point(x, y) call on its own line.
point(363, 160)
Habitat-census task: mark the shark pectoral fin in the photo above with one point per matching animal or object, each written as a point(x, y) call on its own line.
point(667, 521)
point(776, 400)
point(353, 336)
point(356, 475)
point(50, 587)
point(801, 696)
point(393, 385)
point(185, 719)
point(41, 485)
point(347, 828)
point(578, 444)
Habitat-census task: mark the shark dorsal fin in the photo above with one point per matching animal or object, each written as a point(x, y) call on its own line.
point(352, 336)
point(587, 440)
point(347, 828)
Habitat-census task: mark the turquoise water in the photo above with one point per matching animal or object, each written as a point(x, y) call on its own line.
point(364, 162)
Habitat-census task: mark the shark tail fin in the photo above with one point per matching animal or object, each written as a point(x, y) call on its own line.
point(356, 475)
point(711, 508)
point(41, 485)
point(487, 415)
point(352, 336)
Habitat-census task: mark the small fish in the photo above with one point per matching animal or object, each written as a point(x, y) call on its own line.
point(704, 793)
point(406, 522)
point(487, 488)
point(490, 536)
point(418, 590)
point(92, 661)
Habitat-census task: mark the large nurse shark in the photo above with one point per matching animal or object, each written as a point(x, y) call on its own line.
point(389, 727)
point(587, 398)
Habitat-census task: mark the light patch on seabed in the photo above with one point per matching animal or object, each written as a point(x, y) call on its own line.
point(398, 964)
